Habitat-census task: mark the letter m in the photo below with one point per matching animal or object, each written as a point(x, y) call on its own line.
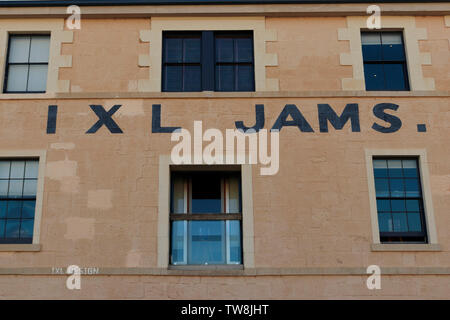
point(326, 113)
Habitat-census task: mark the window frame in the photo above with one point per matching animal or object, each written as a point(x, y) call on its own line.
point(7, 63)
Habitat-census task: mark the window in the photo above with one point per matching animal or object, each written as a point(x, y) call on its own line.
point(205, 218)
point(18, 185)
point(27, 64)
point(384, 61)
point(399, 199)
point(208, 61)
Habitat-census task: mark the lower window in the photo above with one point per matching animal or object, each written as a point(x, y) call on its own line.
point(401, 214)
point(206, 218)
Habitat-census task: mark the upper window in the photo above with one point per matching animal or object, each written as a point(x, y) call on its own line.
point(27, 64)
point(400, 207)
point(18, 185)
point(205, 218)
point(384, 61)
point(208, 61)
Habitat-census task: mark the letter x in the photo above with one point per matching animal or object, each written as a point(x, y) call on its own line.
point(105, 119)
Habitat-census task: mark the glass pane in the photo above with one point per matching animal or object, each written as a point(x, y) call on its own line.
point(391, 38)
point(207, 242)
point(179, 229)
point(178, 195)
point(245, 78)
point(206, 194)
point(371, 46)
point(385, 222)
point(395, 76)
point(4, 188)
point(26, 228)
point(28, 209)
point(31, 169)
point(173, 78)
point(412, 187)
point(395, 168)
point(399, 220)
point(17, 78)
point(4, 169)
point(224, 78)
point(392, 48)
point(15, 188)
point(173, 50)
point(29, 188)
point(383, 205)
point(414, 223)
point(192, 78)
point(2, 228)
point(398, 205)
point(37, 79)
point(233, 202)
point(371, 38)
point(224, 50)
point(373, 74)
point(382, 187)
point(244, 50)
point(410, 168)
point(412, 205)
point(380, 168)
point(39, 48)
point(19, 49)
point(12, 228)
point(14, 209)
point(3, 205)
point(234, 241)
point(17, 169)
point(192, 50)
point(397, 188)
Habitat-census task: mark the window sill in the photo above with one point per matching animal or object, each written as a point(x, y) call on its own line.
point(20, 247)
point(205, 269)
point(405, 247)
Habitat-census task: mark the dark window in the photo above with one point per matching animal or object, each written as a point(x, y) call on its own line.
point(400, 207)
point(18, 184)
point(208, 61)
point(384, 61)
point(205, 218)
point(27, 64)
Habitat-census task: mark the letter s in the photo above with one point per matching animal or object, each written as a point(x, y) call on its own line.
point(395, 122)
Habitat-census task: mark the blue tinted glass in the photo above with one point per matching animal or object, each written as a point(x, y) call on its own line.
point(397, 188)
point(26, 228)
point(383, 205)
point(244, 50)
point(234, 240)
point(192, 50)
point(3, 209)
point(395, 168)
point(414, 223)
point(393, 52)
point(173, 78)
point(2, 227)
point(382, 187)
point(225, 78)
point(192, 78)
point(412, 187)
point(400, 222)
point(385, 222)
point(380, 168)
point(206, 194)
point(224, 50)
point(245, 78)
point(207, 242)
point(173, 50)
point(410, 168)
point(412, 205)
point(398, 205)
point(28, 209)
point(373, 74)
point(395, 76)
point(12, 228)
point(14, 208)
point(371, 52)
point(178, 241)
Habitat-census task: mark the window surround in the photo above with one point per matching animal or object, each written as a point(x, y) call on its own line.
point(432, 244)
point(24, 154)
point(55, 27)
point(163, 242)
point(414, 58)
point(160, 24)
